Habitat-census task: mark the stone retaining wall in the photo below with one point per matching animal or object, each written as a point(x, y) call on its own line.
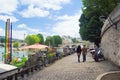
point(110, 37)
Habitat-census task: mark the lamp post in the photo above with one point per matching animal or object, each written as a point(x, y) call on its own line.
point(24, 37)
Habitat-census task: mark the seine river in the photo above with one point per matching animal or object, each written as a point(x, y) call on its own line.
point(14, 54)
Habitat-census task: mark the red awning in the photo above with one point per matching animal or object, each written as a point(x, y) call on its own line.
point(35, 46)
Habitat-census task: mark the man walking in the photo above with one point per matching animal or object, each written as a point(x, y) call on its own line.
point(84, 52)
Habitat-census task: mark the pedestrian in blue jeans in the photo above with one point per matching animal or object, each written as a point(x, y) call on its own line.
point(84, 52)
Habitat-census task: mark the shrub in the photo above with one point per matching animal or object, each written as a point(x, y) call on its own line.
point(62, 53)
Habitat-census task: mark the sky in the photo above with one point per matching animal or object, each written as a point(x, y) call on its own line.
point(48, 17)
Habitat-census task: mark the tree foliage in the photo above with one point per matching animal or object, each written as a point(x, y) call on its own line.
point(102, 7)
point(41, 38)
point(53, 41)
point(74, 40)
point(16, 44)
point(57, 40)
point(49, 41)
point(2, 40)
point(32, 39)
point(90, 25)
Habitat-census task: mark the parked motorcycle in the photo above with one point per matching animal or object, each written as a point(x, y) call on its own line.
point(97, 54)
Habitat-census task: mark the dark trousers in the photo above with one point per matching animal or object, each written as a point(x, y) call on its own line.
point(78, 57)
point(84, 57)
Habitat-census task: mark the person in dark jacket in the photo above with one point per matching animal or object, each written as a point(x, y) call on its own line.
point(79, 52)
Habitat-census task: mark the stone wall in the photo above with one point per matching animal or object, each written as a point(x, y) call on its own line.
point(110, 37)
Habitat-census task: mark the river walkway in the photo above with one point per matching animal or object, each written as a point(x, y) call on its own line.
point(68, 68)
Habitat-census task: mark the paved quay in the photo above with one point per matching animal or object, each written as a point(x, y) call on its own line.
point(68, 68)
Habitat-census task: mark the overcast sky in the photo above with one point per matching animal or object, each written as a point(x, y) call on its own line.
point(48, 17)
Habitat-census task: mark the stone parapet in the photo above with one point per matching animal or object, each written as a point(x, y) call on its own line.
point(110, 37)
point(113, 75)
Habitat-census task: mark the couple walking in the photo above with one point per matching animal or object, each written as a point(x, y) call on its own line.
point(83, 51)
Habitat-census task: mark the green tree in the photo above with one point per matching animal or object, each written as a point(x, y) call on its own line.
point(49, 41)
point(53, 40)
point(102, 7)
point(16, 44)
point(57, 40)
point(90, 25)
point(32, 39)
point(74, 40)
point(41, 38)
point(90, 28)
point(2, 40)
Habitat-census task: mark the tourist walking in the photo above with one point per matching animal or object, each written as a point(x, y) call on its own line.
point(84, 52)
point(79, 52)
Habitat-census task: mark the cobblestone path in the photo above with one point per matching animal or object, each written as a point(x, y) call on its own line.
point(68, 68)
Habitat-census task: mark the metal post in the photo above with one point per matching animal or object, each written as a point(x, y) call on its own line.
point(11, 43)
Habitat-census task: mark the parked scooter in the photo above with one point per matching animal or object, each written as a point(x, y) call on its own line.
point(97, 54)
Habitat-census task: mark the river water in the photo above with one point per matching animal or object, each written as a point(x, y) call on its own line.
point(15, 54)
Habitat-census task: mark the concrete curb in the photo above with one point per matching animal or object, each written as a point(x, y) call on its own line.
point(100, 77)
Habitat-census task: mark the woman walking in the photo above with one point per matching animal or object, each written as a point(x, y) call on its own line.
point(79, 52)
